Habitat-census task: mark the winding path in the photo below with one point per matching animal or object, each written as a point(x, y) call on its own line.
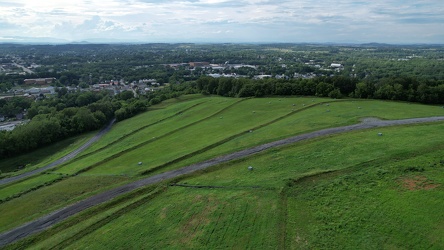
point(60, 215)
point(61, 160)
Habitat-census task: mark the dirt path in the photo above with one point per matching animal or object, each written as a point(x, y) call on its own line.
point(61, 160)
point(60, 215)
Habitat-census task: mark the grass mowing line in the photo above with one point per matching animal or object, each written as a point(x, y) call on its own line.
point(216, 144)
point(155, 139)
point(127, 135)
point(75, 223)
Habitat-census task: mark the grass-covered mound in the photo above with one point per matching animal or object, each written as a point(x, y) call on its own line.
point(311, 194)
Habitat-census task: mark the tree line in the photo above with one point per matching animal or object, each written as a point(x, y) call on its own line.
point(67, 114)
point(400, 89)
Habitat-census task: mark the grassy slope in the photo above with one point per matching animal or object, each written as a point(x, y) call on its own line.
point(360, 207)
point(283, 166)
point(27, 185)
point(193, 218)
point(42, 156)
point(44, 200)
point(33, 203)
point(137, 142)
point(315, 118)
point(236, 119)
point(375, 208)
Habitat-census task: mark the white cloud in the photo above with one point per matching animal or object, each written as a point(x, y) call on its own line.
point(198, 20)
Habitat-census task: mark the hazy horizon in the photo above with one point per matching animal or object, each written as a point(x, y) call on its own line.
point(222, 21)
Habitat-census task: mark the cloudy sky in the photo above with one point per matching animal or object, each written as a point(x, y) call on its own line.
point(356, 21)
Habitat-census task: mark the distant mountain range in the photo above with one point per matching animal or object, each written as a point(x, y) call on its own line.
point(52, 40)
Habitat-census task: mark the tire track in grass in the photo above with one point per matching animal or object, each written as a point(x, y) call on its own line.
point(44, 222)
point(242, 219)
point(214, 226)
point(283, 215)
point(230, 222)
point(221, 224)
point(254, 228)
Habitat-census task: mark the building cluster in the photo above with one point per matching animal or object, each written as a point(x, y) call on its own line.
point(39, 81)
point(141, 86)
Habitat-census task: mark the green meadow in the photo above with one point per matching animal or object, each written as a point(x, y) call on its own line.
point(354, 190)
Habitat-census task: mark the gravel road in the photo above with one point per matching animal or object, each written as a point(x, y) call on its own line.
point(61, 160)
point(60, 215)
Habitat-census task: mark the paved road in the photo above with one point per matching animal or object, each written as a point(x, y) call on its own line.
point(60, 215)
point(61, 160)
point(24, 68)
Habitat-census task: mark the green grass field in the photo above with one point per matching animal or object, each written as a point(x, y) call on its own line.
point(49, 198)
point(354, 190)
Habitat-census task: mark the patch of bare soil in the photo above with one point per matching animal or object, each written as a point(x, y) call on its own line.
point(418, 183)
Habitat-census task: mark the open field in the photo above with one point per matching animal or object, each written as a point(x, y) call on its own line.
point(228, 205)
point(197, 219)
point(392, 205)
point(288, 198)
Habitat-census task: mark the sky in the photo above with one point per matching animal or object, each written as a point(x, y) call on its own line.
point(223, 21)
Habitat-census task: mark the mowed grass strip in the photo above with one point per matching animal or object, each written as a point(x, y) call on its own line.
point(50, 198)
point(313, 118)
point(125, 127)
point(238, 118)
point(27, 185)
point(149, 134)
point(184, 218)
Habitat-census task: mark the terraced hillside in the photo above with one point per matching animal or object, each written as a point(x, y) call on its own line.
point(329, 191)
